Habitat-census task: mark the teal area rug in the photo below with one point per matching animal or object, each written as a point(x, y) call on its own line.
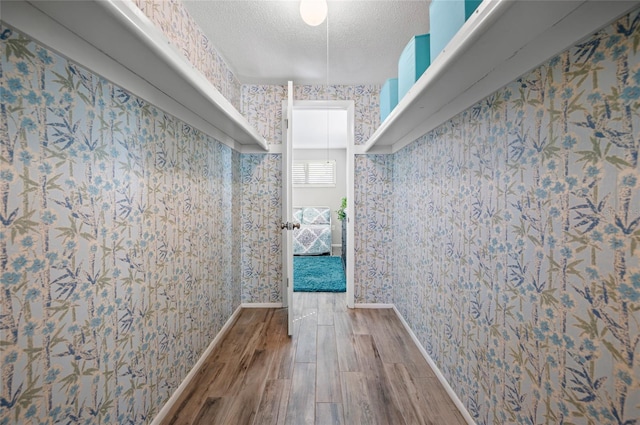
point(318, 274)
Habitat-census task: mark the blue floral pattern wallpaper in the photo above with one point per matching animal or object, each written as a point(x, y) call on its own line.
point(373, 229)
point(261, 217)
point(508, 238)
point(261, 105)
point(177, 24)
point(517, 241)
point(119, 244)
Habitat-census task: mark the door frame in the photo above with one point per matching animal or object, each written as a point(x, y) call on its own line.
point(349, 106)
point(287, 210)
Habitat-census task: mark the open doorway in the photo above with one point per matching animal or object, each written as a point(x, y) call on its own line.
point(319, 188)
point(322, 179)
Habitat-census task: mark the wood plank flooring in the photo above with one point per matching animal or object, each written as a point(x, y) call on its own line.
point(340, 367)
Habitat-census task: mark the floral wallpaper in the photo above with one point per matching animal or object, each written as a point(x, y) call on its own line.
point(262, 106)
point(373, 206)
point(119, 247)
point(261, 217)
point(172, 17)
point(509, 237)
point(517, 241)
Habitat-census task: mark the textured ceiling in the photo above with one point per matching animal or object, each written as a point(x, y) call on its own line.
point(266, 42)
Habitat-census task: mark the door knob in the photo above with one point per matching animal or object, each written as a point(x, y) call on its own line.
point(289, 226)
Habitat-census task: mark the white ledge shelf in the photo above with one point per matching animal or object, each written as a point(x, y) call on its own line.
point(500, 42)
point(119, 30)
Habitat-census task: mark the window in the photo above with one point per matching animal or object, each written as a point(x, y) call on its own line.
point(314, 173)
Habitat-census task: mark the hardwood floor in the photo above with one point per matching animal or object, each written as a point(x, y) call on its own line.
point(340, 367)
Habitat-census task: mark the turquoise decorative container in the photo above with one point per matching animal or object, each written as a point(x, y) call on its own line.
point(445, 19)
point(414, 60)
point(388, 98)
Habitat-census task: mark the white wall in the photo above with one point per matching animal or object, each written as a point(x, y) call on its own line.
point(324, 196)
point(312, 131)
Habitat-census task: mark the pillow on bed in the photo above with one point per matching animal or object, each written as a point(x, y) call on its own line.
point(316, 215)
point(297, 215)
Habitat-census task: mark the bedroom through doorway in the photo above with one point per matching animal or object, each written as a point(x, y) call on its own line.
point(320, 138)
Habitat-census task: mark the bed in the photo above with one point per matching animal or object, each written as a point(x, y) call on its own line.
point(314, 235)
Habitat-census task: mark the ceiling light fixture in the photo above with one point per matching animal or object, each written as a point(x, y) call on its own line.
point(313, 12)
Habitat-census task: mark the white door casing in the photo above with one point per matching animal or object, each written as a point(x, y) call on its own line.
point(287, 210)
point(287, 149)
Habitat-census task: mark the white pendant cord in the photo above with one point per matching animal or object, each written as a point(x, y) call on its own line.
point(327, 86)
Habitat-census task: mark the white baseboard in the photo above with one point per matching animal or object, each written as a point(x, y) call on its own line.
point(187, 380)
point(261, 305)
point(372, 305)
point(439, 375)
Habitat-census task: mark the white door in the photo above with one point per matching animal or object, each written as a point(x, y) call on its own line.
point(287, 210)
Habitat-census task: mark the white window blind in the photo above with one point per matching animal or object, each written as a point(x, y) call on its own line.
point(299, 173)
point(314, 173)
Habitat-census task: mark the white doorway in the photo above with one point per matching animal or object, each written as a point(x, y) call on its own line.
point(302, 110)
point(320, 167)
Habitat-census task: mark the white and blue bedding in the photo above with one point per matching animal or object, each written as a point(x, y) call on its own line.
point(314, 235)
